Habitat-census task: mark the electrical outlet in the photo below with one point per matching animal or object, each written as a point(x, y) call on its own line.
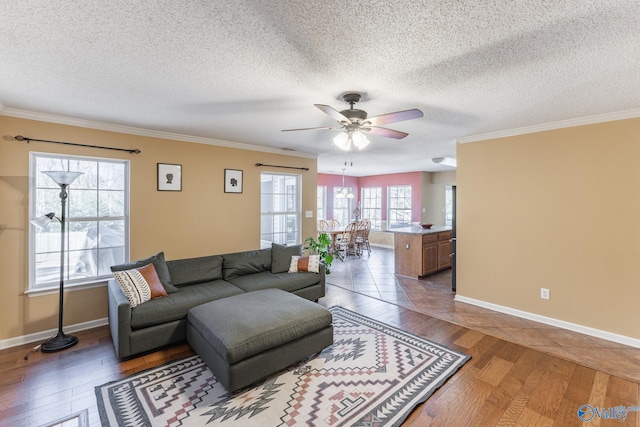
point(544, 293)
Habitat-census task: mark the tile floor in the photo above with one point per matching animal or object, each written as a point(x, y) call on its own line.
point(373, 276)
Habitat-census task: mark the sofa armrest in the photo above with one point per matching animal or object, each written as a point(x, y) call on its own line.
point(119, 319)
point(322, 272)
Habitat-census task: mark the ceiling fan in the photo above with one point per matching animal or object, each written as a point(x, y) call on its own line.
point(354, 123)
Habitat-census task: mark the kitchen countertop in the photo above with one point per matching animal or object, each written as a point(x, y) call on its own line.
point(419, 230)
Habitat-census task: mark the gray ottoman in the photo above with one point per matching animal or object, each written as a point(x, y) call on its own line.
point(247, 337)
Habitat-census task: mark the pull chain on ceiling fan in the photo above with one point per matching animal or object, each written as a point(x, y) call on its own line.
point(354, 123)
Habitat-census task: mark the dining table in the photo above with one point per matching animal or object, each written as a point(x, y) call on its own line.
point(333, 233)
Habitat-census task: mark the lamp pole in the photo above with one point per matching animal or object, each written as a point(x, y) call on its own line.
point(61, 341)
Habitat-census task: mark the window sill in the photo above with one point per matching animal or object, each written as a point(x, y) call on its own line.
point(68, 288)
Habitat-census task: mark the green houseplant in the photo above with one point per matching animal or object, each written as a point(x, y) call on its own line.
point(323, 247)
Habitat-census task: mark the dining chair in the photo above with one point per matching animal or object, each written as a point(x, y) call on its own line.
point(362, 236)
point(334, 223)
point(322, 225)
point(345, 244)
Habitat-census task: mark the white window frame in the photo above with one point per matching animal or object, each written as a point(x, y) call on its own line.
point(321, 206)
point(448, 205)
point(397, 203)
point(342, 206)
point(284, 209)
point(99, 255)
point(372, 206)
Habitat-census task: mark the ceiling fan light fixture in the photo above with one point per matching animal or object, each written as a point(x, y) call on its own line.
point(445, 161)
point(342, 141)
point(359, 139)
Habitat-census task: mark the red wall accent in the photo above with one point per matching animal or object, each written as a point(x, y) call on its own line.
point(410, 178)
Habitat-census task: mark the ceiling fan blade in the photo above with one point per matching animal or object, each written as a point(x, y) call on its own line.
point(387, 133)
point(324, 127)
point(334, 114)
point(398, 116)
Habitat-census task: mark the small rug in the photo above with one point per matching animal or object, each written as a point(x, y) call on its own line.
point(373, 375)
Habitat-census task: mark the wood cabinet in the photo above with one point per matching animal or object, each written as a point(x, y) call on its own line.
point(444, 250)
point(418, 254)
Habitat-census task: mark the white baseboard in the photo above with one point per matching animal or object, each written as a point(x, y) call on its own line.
point(609, 336)
point(41, 336)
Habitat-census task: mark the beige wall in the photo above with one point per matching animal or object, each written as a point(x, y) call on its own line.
point(199, 220)
point(557, 209)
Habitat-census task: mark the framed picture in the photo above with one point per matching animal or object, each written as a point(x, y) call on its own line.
point(169, 177)
point(232, 181)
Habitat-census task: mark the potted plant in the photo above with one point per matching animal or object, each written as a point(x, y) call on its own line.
point(323, 247)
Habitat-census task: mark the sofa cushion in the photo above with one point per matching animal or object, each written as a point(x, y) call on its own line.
point(267, 280)
point(242, 263)
point(140, 284)
point(158, 263)
point(195, 270)
point(175, 306)
point(281, 256)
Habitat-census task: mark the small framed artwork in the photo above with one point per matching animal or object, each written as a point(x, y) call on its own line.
point(232, 181)
point(169, 177)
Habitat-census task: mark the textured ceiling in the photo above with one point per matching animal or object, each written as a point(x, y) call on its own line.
point(243, 70)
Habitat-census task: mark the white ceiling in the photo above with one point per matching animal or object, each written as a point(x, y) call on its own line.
point(243, 70)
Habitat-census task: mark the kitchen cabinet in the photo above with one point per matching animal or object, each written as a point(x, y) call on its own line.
point(420, 252)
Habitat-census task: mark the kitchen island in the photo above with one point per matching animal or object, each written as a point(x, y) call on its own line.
point(419, 252)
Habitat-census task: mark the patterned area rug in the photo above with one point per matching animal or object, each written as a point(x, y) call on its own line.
point(373, 375)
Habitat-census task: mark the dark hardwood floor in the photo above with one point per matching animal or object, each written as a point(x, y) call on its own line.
point(504, 383)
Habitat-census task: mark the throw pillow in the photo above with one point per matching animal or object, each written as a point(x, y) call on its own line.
point(140, 285)
point(281, 256)
point(243, 263)
point(309, 263)
point(160, 265)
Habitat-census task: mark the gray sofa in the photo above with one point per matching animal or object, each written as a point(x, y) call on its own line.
point(194, 281)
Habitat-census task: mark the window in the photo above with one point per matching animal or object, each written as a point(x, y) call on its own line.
point(372, 205)
point(97, 220)
point(448, 205)
point(399, 206)
point(341, 206)
point(280, 209)
point(322, 202)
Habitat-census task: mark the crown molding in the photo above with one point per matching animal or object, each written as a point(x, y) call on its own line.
point(130, 130)
point(581, 121)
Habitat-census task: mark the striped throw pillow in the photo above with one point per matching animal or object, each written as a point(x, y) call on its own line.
point(140, 284)
point(309, 263)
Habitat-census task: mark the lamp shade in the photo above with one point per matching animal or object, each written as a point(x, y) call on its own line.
point(43, 221)
point(342, 141)
point(359, 139)
point(62, 177)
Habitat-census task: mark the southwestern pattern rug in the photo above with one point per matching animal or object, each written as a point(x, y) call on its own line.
point(373, 375)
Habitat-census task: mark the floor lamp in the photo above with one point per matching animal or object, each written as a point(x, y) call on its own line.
point(63, 178)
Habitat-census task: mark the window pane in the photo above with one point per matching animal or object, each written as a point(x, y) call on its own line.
point(111, 203)
point(111, 176)
point(89, 177)
point(47, 200)
point(82, 203)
